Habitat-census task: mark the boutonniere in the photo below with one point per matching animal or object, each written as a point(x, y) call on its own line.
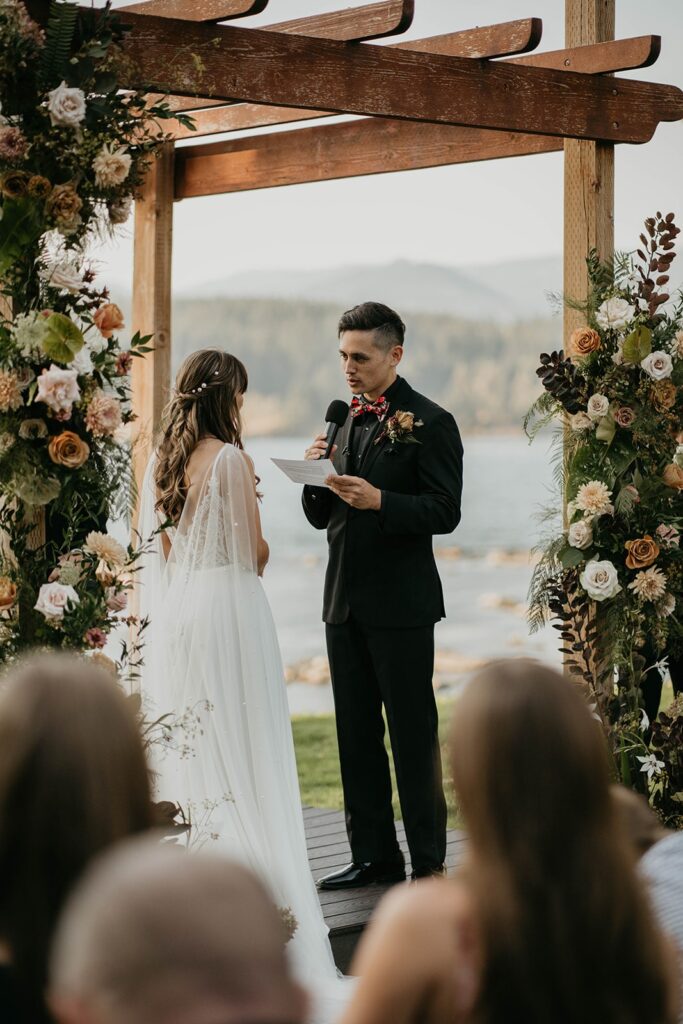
point(399, 428)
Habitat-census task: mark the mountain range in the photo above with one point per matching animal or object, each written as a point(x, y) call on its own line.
point(501, 292)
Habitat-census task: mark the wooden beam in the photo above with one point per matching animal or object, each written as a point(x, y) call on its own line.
point(620, 55)
point(599, 58)
point(371, 21)
point(507, 38)
point(198, 10)
point(275, 68)
point(346, 150)
point(588, 170)
point(152, 301)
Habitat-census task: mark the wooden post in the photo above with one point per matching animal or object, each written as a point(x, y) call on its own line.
point(151, 377)
point(588, 199)
point(588, 171)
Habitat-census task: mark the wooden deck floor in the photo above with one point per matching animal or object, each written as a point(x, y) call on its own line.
point(347, 912)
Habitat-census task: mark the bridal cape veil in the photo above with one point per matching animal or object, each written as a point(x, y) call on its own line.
point(212, 659)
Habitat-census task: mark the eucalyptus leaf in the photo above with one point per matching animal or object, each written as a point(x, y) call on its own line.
point(571, 557)
point(638, 345)
point(105, 82)
point(606, 429)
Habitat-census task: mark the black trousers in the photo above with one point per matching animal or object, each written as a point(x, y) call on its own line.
point(394, 668)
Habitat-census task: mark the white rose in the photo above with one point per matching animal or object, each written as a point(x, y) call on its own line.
point(598, 406)
point(53, 599)
point(82, 362)
point(66, 106)
point(96, 344)
point(599, 580)
point(58, 388)
point(64, 275)
point(657, 365)
point(615, 313)
point(678, 457)
point(580, 421)
point(580, 535)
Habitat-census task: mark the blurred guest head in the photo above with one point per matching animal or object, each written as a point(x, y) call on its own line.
point(638, 821)
point(73, 779)
point(565, 921)
point(156, 934)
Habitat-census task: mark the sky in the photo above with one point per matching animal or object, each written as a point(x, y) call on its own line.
point(463, 215)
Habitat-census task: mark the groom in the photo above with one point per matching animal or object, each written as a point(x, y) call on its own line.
point(399, 458)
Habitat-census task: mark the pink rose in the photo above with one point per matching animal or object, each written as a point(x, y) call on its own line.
point(104, 415)
point(59, 390)
point(624, 416)
point(53, 599)
point(117, 600)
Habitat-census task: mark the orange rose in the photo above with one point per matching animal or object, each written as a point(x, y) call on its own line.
point(8, 593)
point(583, 341)
point(664, 395)
point(673, 477)
point(108, 319)
point(641, 552)
point(69, 450)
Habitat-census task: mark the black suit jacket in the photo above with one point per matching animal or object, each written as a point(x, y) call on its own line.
point(381, 566)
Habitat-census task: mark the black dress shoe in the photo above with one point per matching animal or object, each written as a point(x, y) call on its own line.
point(435, 872)
point(362, 873)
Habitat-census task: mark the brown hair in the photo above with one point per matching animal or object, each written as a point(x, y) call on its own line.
point(566, 929)
point(638, 821)
point(203, 404)
point(73, 780)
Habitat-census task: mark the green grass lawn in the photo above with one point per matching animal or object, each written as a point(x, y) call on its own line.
point(315, 740)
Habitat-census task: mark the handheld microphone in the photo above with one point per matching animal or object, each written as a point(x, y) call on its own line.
point(335, 417)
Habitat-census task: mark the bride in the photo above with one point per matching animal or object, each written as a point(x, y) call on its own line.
point(212, 656)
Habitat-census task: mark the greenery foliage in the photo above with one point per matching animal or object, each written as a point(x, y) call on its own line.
point(612, 582)
point(74, 148)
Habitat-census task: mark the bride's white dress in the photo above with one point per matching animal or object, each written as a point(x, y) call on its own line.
point(212, 659)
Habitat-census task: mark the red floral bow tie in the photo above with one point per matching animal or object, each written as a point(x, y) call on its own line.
point(359, 406)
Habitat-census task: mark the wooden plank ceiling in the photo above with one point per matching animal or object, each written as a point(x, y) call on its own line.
point(276, 68)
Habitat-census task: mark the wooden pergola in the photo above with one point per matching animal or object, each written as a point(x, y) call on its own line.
point(465, 96)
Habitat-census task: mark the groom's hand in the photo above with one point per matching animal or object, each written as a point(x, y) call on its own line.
point(318, 448)
point(356, 492)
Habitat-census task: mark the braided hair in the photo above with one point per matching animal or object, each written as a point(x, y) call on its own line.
point(204, 402)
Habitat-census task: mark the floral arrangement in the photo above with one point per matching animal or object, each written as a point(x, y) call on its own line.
point(613, 577)
point(74, 149)
point(399, 428)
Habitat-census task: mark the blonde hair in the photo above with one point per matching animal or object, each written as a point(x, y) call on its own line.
point(204, 403)
point(157, 934)
point(566, 928)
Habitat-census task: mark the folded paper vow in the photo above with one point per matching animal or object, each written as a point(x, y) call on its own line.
point(307, 471)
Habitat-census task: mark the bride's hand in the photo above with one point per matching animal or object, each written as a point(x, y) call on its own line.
point(262, 556)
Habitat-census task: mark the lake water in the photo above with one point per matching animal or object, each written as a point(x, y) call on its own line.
point(484, 565)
